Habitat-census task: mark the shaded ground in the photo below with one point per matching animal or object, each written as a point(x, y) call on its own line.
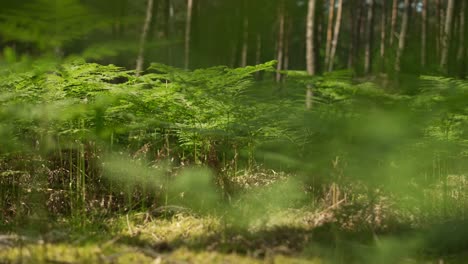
point(185, 238)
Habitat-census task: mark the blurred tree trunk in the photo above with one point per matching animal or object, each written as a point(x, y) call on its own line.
point(286, 43)
point(461, 53)
point(331, 11)
point(144, 33)
point(441, 28)
point(447, 36)
point(280, 41)
point(437, 26)
point(352, 33)
point(310, 43)
point(169, 26)
point(319, 35)
point(168, 18)
point(394, 21)
point(245, 41)
point(402, 37)
point(424, 34)
point(118, 26)
point(188, 27)
point(369, 31)
point(245, 33)
point(153, 28)
point(359, 21)
point(258, 53)
point(335, 35)
point(383, 27)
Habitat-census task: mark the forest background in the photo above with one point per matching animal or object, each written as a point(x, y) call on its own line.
point(316, 131)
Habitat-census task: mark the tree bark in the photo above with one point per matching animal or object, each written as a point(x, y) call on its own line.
point(424, 34)
point(331, 11)
point(447, 36)
point(402, 37)
point(383, 29)
point(258, 53)
point(336, 35)
point(169, 28)
point(461, 41)
point(358, 31)
point(153, 27)
point(394, 20)
point(188, 28)
point(245, 42)
point(286, 44)
point(310, 43)
point(280, 45)
point(369, 28)
point(438, 22)
point(352, 34)
point(144, 34)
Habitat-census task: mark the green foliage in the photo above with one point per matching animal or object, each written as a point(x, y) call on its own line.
point(48, 24)
point(94, 132)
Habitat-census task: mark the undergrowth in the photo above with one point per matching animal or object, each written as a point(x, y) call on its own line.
point(90, 143)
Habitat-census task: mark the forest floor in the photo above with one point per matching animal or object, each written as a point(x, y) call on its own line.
point(180, 238)
point(357, 230)
point(187, 238)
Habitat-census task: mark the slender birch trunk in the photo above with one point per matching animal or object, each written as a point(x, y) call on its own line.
point(188, 28)
point(286, 44)
point(394, 21)
point(369, 28)
point(336, 35)
point(318, 36)
point(438, 36)
point(461, 41)
point(441, 28)
point(310, 43)
point(352, 34)
point(144, 34)
point(245, 42)
point(424, 35)
point(280, 45)
point(169, 27)
point(447, 35)
point(331, 11)
point(402, 37)
point(383, 35)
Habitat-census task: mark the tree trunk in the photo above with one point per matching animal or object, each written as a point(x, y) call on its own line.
point(447, 36)
point(286, 44)
point(402, 37)
point(245, 42)
point(153, 27)
point(461, 44)
point(188, 28)
point(336, 34)
point(359, 18)
point(352, 34)
point(144, 34)
point(369, 29)
point(424, 34)
point(438, 36)
point(280, 46)
point(169, 27)
point(258, 53)
point(383, 26)
point(394, 20)
point(331, 11)
point(310, 43)
point(320, 34)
